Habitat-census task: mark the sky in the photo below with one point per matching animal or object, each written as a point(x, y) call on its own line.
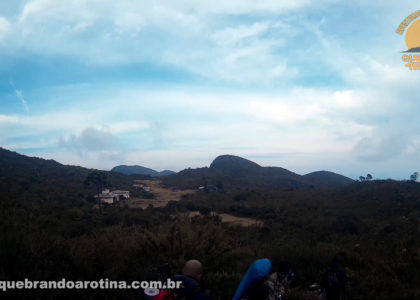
point(171, 84)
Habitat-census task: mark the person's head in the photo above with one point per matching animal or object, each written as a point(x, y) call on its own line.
point(193, 268)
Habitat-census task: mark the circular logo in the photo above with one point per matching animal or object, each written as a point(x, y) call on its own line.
point(412, 37)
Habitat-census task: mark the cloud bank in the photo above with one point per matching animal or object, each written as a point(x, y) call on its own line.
point(171, 84)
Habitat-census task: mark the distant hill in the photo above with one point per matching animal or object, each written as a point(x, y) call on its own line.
point(29, 178)
point(26, 177)
point(234, 164)
point(166, 172)
point(235, 171)
point(139, 170)
point(48, 229)
point(327, 179)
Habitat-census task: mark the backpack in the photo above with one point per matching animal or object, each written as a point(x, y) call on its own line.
point(253, 277)
point(335, 283)
point(332, 279)
point(166, 295)
point(188, 290)
point(336, 278)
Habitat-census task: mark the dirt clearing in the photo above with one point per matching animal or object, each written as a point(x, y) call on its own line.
point(227, 218)
point(162, 195)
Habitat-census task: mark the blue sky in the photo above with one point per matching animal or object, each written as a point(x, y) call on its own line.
point(305, 85)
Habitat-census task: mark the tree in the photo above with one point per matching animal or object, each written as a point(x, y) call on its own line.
point(414, 176)
point(367, 178)
point(99, 180)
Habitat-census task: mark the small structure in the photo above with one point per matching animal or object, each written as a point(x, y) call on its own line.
point(208, 188)
point(112, 197)
point(143, 187)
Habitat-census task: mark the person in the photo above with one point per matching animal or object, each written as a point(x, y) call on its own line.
point(190, 282)
point(335, 281)
point(286, 275)
point(191, 277)
point(193, 269)
point(274, 286)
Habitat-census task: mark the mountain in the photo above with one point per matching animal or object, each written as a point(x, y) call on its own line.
point(234, 164)
point(48, 230)
point(253, 174)
point(139, 170)
point(166, 173)
point(238, 172)
point(29, 178)
point(327, 179)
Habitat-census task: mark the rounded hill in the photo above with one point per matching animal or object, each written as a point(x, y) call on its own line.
point(234, 164)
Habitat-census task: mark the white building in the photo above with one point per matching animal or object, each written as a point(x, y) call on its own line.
point(111, 197)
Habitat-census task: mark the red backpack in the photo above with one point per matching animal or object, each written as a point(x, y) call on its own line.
point(166, 295)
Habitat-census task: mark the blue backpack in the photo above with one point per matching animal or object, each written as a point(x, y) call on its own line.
point(259, 270)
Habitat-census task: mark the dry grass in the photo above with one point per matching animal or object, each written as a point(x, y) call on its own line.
point(242, 221)
point(162, 195)
point(227, 218)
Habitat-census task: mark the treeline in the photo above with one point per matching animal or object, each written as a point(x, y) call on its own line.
point(375, 225)
point(51, 229)
point(78, 243)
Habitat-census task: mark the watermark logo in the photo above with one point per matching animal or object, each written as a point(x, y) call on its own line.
point(411, 27)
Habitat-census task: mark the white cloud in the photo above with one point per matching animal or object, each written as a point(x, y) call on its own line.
point(347, 99)
point(237, 7)
point(196, 36)
point(245, 53)
point(280, 113)
point(233, 35)
point(5, 28)
point(50, 121)
point(123, 32)
point(232, 117)
point(90, 139)
point(35, 8)
point(8, 120)
point(304, 129)
point(413, 147)
point(270, 50)
point(127, 126)
point(379, 148)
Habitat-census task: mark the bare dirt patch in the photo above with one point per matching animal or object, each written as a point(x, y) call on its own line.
point(227, 218)
point(242, 221)
point(162, 195)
